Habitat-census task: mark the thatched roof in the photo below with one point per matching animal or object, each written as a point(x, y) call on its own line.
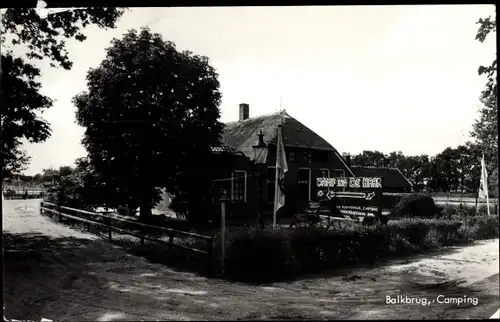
point(392, 176)
point(242, 135)
point(224, 149)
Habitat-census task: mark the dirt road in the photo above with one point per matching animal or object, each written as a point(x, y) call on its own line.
point(62, 274)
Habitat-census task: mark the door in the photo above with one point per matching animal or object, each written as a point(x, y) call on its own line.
point(304, 181)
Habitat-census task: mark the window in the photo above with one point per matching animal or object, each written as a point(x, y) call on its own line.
point(239, 185)
point(271, 178)
point(338, 173)
point(308, 156)
point(291, 156)
point(324, 173)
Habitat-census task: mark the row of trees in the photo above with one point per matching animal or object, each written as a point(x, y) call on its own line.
point(151, 114)
point(454, 169)
point(46, 177)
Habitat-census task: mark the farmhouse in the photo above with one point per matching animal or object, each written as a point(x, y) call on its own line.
point(244, 164)
point(308, 156)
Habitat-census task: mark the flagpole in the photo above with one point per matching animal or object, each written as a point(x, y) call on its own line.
point(488, 202)
point(277, 176)
point(485, 186)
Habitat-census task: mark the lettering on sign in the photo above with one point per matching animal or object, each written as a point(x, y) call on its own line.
point(359, 208)
point(353, 212)
point(352, 182)
point(355, 196)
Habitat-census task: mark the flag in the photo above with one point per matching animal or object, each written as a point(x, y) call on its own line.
point(281, 169)
point(483, 185)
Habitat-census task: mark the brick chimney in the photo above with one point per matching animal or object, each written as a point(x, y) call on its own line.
point(244, 111)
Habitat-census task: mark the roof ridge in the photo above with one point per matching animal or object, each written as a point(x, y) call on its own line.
point(374, 167)
point(260, 116)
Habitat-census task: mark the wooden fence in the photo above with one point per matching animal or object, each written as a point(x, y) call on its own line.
point(19, 193)
point(107, 224)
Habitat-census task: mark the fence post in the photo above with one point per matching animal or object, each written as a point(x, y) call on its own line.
point(170, 239)
point(210, 261)
point(87, 223)
point(223, 233)
point(108, 222)
point(143, 232)
point(58, 209)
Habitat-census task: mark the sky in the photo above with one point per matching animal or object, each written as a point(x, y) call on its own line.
point(386, 78)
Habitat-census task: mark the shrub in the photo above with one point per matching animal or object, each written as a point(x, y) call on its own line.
point(270, 255)
point(413, 229)
point(128, 211)
point(313, 248)
point(400, 245)
point(432, 239)
point(416, 205)
point(261, 256)
point(467, 234)
point(487, 227)
point(482, 210)
point(389, 201)
point(458, 211)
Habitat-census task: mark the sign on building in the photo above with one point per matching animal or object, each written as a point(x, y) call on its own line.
point(224, 194)
point(354, 196)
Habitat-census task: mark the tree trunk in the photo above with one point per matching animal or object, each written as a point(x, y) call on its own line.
point(145, 206)
point(132, 210)
point(145, 212)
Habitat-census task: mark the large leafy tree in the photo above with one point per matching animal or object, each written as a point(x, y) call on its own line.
point(395, 158)
point(445, 170)
point(416, 169)
point(485, 128)
point(23, 30)
point(471, 166)
point(151, 116)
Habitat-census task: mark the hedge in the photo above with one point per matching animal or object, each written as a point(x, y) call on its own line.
point(389, 201)
point(265, 256)
point(416, 205)
point(268, 256)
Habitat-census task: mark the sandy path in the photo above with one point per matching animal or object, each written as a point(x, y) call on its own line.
point(63, 274)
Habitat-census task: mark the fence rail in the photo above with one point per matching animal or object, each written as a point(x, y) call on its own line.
point(171, 233)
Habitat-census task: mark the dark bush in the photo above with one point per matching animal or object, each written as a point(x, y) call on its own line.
point(458, 211)
point(487, 227)
point(414, 230)
point(268, 256)
point(314, 248)
point(124, 211)
point(416, 205)
point(389, 201)
point(261, 257)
